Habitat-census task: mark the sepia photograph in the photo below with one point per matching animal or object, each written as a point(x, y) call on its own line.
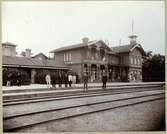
point(83, 66)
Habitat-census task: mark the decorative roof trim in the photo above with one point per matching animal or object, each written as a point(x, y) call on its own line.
point(138, 46)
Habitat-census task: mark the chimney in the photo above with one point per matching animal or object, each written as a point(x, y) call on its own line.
point(28, 53)
point(9, 49)
point(85, 40)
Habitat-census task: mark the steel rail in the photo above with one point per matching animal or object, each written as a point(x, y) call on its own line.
point(72, 96)
point(90, 112)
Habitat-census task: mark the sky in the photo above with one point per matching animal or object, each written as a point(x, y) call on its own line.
point(44, 26)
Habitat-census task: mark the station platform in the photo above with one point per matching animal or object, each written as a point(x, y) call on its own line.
point(44, 86)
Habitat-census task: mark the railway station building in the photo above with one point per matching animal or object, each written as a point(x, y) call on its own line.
point(121, 63)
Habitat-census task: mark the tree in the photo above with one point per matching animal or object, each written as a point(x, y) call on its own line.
point(153, 68)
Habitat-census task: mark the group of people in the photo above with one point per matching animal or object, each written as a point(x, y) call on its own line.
point(85, 80)
point(17, 79)
point(68, 80)
point(71, 79)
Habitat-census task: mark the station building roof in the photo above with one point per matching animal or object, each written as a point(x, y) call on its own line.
point(75, 46)
point(9, 61)
point(127, 48)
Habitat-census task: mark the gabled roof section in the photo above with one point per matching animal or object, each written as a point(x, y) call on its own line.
point(78, 46)
point(30, 62)
point(123, 49)
point(128, 48)
point(140, 48)
point(104, 45)
point(70, 47)
point(40, 54)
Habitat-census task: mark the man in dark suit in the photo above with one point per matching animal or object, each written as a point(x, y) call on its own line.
point(19, 78)
point(85, 81)
point(104, 79)
point(60, 80)
point(65, 79)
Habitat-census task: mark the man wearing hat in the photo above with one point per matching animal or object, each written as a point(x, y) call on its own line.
point(85, 81)
point(104, 79)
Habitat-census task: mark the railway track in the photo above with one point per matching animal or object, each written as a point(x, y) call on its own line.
point(29, 112)
point(27, 120)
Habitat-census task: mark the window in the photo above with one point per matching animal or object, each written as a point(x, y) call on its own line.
point(135, 61)
point(64, 57)
point(69, 56)
point(131, 60)
point(139, 61)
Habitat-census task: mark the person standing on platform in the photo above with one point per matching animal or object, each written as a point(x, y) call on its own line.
point(53, 77)
point(60, 79)
point(19, 79)
point(85, 81)
point(66, 79)
point(74, 80)
point(70, 79)
point(9, 79)
point(104, 79)
point(48, 80)
point(56, 79)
